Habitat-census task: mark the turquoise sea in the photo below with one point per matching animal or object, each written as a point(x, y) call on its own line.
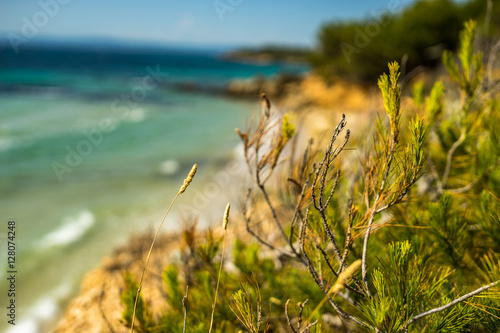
point(94, 143)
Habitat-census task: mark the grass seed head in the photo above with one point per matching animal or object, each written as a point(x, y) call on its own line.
point(226, 217)
point(188, 179)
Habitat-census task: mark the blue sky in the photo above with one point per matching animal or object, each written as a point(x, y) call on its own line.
point(195, 22)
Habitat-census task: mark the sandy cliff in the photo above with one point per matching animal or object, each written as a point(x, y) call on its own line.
point(97, 308)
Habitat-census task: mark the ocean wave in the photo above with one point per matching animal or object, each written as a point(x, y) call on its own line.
point(43, 310)
point(72, 230)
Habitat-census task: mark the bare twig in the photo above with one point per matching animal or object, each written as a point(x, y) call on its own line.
point(274, 215)
point(364, 271)
point(320, 177)
point(316, 278)
point(491, 61)
point(300, 329)
point(348, 236)
point(449, 158)
point(308, 326)
point(185, 306)
point(297, 208)
point(452, 303)
point(302, 233)
point(373, 209)
point(301, 310)
point(288, 319)
point(257, 237)
point(325, 257)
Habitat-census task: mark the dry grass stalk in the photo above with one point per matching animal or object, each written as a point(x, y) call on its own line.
point(187, 181)
point(343, 277)
point(225, 219)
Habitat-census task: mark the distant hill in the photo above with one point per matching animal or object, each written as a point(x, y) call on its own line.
point(269, 54)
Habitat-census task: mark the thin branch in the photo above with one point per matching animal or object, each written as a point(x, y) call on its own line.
point(305, 329)
point(328, 158)
point(297, 208)
point(348, 237)
point(330, 234)
point(325, 257)
point(475, 181)
point(388, 166)
point(365, 247)
point(274, 214)
point(315, 276)
point(400, 197)
point(301, 310)
point(347, 316)
point(491, 61)
point(184, 305)
point(248, 221)
point(289, 321)
point(319, 267)
point(374, 212)
point(288, 317)
point(452, 303)
point(334, 187)
point(434, 172)
point(302, 233)
point(449, 160)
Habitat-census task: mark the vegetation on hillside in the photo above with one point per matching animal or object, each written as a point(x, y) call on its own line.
point(395, 232)
point(416, 35)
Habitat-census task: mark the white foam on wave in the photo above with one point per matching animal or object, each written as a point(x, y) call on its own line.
point(6, 144)
point(72, 230)
point(43, 310)
point(169, 167)
point(136, 116)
